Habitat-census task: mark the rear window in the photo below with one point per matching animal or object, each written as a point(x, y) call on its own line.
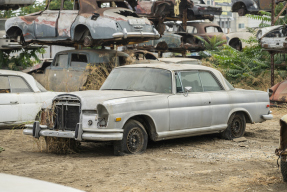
point(4, 85)
point(212, 29)
point(79, 60)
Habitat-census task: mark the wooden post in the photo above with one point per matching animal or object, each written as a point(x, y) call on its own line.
point(273, 13)
point(184, 19)
point(272, 69)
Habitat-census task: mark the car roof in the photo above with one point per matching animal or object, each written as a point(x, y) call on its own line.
point(202, 24)
point(179, 67)
point(30, 79)
point(99, 51)
point(177, 59)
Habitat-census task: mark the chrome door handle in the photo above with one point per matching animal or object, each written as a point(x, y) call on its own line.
point(14, 102)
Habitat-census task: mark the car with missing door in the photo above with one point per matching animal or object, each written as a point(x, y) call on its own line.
point(152, 101)
point(70, 70)
point(21, 98)
point(87, 23)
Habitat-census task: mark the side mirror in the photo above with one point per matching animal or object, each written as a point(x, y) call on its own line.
point(186, 90)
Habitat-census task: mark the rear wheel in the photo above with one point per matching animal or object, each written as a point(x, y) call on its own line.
point(87, 39)
point(236, 127)
point(134, 139)
point(242, 11)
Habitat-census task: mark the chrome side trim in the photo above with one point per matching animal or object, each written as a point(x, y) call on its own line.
point(190, 132)
point(135, 34)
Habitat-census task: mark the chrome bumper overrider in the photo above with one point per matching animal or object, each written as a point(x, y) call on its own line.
point(126, 34)
point(37, 130)
point(267, 117)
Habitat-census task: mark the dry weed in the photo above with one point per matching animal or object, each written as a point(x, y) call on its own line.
point(57, 145)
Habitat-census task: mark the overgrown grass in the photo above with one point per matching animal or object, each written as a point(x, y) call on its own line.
point(248, 69)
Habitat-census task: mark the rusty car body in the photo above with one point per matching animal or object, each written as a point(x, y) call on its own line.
point(21, 98)
point(165, 10)
point(273, 38)
point(243, 7)
point(278, 93)
point(205, 30)
point(202, 11)
point(152, 101)
point(234, 39)
point(281, 151)
point(174, 39)
point(14, 4)
point(87, 22)
point(70, 70)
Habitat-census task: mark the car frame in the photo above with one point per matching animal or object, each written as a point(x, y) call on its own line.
point(70, 70)
point(165, 106)
point(21, 98)
point(88, 23)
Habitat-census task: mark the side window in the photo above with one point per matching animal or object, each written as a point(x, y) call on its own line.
point(68, 5)
point(79, 60)
point(4, 85)
point(55, 5)
point(18, 85)
point(208, 82)
point(61, 61)
point(191, 29)
point(191, 79)
point(211, 29)
point(178, 84)
point(122, 60)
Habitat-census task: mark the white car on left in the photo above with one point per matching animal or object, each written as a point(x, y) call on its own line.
point(21, 97)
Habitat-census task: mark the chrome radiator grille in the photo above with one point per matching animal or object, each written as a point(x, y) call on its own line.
point(67, 113)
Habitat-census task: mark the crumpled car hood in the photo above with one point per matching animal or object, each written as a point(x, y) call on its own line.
point(90, 99)
point(264, 31)
point(122, 14)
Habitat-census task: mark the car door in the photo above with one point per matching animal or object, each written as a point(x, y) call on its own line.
point(190, 110)
point(9, 103)
point(57, 74)
point(46, 23)
point(220, 99)
point(67, 17)
point(28, 102)
point(77, 72)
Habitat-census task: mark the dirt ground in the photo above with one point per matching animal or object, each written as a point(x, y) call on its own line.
point(202, 163)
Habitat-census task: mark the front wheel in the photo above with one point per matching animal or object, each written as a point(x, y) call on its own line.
point(236, 127)
point(134, 139)
point(21, 40)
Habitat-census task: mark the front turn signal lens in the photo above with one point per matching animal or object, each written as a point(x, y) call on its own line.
point(118, 119)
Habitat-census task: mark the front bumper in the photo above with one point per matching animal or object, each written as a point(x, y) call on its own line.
point(36, 130)
point(126, 34)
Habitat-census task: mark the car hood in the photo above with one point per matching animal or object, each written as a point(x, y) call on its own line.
point(90, 99)
point(264, 31)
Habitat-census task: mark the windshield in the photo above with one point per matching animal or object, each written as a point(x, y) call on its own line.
point(40, 87)
point(139, 79)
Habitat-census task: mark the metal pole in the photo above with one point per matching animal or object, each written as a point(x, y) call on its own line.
point(272, 69)
point(273, 13)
